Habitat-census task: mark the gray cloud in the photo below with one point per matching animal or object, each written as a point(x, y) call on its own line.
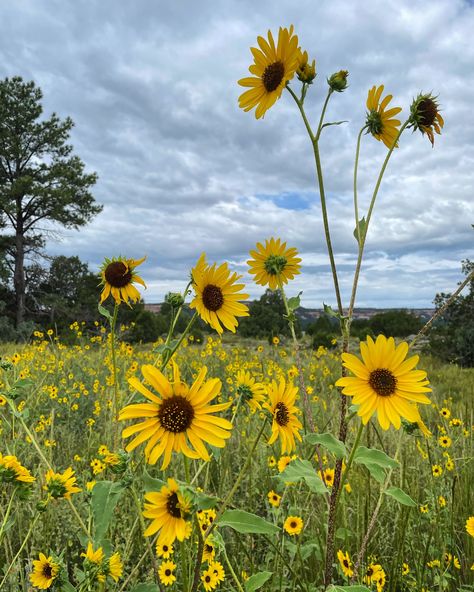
point(152, 89)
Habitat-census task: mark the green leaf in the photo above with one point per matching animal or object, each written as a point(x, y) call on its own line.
point(310, 548)
point(67, 587)
point(145, 588)
point(373, 456)
point(299, 470)
point(330, 311)
point(329, 442)
point(401, 496)
point(257, 580)
point(244, 522)
point(205, 502)
point(151, 483)
point(105, 496)
point(362, 229)
point(294, 302)
point(356, 588)
point(104, 312)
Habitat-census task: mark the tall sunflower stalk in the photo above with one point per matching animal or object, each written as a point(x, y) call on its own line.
point(275, 66)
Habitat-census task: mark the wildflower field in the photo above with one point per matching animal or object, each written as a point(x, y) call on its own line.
point(234, 464)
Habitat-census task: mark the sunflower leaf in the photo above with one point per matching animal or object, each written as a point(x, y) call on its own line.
point(329, 442)
point(373, 456)
point(257, 580)
point(105, 496)
point(151, 483)
point(294, 302)
point(400, 496)
point(299, 470)
point(247, 523)
point(104, 312)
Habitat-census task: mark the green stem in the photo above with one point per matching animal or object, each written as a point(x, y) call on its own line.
point(369, 215)
point(113, 324)
point(7, 513)
point(350, 461)
point(232, 572)
point(356, 166)
point(23, 544)
point(170, 354)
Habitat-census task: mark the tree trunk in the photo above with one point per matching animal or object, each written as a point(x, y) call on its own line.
point(19, 277)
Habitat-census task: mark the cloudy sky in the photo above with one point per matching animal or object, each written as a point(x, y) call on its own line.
point(151, 87)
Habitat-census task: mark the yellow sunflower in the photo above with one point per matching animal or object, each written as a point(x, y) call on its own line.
point(45, 571)
point(385, 382)
point(327, 477)
point(218, 570)
point(170, 510)
point(470, 526)
point(164, 551)
point(274, 499)
point(273, 67)
point(118, 276)
point(345, 563)
point(115, 567)
point(285, 424)
point(293, 525)
point(61, 485)
point(12, 470)
point(274, 264)
point(253, 393)
point(178, 417)
point(379, 121)
point(218, 295)
point(209, 580)
point(96, 556)
point(425, 116)
point(166, 574)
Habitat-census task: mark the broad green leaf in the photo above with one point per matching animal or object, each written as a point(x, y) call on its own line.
point(257, 580)
point(299, 470)
point(244, 522)
point(310, 548)
point(294, 302)
point(105, 496)
point(401, 496)
point(151, 483)
point(373, 456)
point(104, 312)
point(67, 587)
point(377, 472)
point(145, 588)
point(205, 502)
point(329, 442)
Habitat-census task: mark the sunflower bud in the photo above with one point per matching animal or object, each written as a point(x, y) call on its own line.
point(338, 80)
point(175, 299)
point(305, 72)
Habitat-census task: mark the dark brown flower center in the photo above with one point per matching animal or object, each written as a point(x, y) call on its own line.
point(273, 75)
point(176, 414)
point(282, 417)
point(172, 506)
point(208, 548)
point(208, 579)
point(428, 111)
point(47, 571)
point(369, 572)
point(117, 274)
point(383, 382)
point(167, 572)
point(293, 524)
point(345, 563)
point(212, 297)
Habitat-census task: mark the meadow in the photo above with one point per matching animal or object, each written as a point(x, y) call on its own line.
point(65, 418)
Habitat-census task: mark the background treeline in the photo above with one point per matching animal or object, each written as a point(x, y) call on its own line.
point(67, 291)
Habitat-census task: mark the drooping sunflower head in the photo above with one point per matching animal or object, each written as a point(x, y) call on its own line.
point(274, 66)
point(93, 556)
point(118, 276)
point(379, 121)
point(45, 571)
point(252, 392)
point(281, 405)
point(218, 295)
point(384, 381)
point(305, 72)
point(273, 263)
point(114, 567)
point(425, 115)
point(12, 470)
point(61, 485)
point(170, 512)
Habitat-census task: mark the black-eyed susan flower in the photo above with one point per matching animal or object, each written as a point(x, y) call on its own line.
point(45, 571)
point(170, 513)
point(209, 580)
point(385, 382)
point(118, 276)
point(61, 485)
point(379, 121)
point(345, 563)
point(177, 417)
point(470, 526)
point(285, 426)
point(218, 295)
point(274, 264)
point(252, 392)
point(166, 573)
point(293, 525)
point(274, 66)
point(425, 115)
point(273, 498)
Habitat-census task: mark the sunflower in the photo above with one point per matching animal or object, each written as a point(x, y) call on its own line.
point(177, 418)
point(169, 510)
point(218, 570)
point(305, 72)
point(253, 393)
point(273, 498)
point(425, 116)
point(118, 276)
point(470, 526)
point(209, 550)
point(282, 407)
point(293, 525)
point(274, 264)
point(373, 573)
point(273, 67)
point(385, 382)
point(45, 571)
point(61, 485)
point(115, 567)
point(164, 550)
point(327, 477)
point(345, 563)
point(437, 470)
point(12, 470)
point(166, 574)
point(379, 122)
point(209, 580)
point(96, 556)
point(217, 295)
